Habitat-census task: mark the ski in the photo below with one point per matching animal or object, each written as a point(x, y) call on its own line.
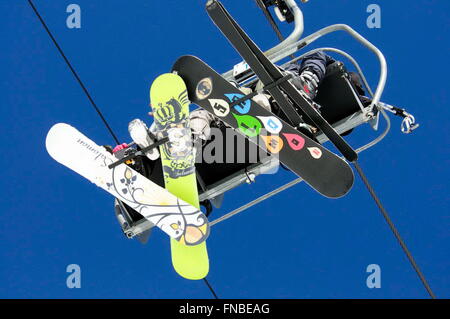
point(268, 73)
point(183, 222)
point(321, 169)
point(170, 104)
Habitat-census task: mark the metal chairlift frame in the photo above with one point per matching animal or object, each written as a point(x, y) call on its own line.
point(287, 48)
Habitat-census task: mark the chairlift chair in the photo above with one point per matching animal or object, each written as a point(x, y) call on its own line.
point(341, 106)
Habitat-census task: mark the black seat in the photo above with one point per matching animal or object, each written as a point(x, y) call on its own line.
point(337, 94)
point(241, 147)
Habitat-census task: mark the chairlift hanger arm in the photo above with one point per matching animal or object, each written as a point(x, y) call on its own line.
point(296, 34)
point(269, 17)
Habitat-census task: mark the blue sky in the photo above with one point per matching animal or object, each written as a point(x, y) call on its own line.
point(298, 244)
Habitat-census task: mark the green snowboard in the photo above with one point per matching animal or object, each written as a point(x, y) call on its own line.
point(170, 104)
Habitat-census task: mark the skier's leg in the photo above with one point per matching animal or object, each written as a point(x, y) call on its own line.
point(309, 73)
point(315, 63)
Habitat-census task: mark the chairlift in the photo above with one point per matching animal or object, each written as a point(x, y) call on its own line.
point(341, 105)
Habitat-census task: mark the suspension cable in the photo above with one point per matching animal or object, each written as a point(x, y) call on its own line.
point(210, 288)
point(394, 230)
point(73, 71)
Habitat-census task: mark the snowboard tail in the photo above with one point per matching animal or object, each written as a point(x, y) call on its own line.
point(321, 169)
point(183, 222)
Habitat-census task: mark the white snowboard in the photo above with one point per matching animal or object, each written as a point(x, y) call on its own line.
point(175, 217)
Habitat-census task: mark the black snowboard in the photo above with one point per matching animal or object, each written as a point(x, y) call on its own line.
point(321, 169)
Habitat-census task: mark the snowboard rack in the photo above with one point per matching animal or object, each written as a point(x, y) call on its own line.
point(139, 153)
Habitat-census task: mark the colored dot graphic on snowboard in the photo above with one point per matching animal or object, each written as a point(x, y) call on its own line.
point(296, 142)
point(249, 125)
point(242, 108)
point(272, 124)
point(274, 143)
point(316, 152)
point(220, 107)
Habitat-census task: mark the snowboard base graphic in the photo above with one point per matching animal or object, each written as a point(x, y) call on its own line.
point(184, 223)
point(323, 170)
